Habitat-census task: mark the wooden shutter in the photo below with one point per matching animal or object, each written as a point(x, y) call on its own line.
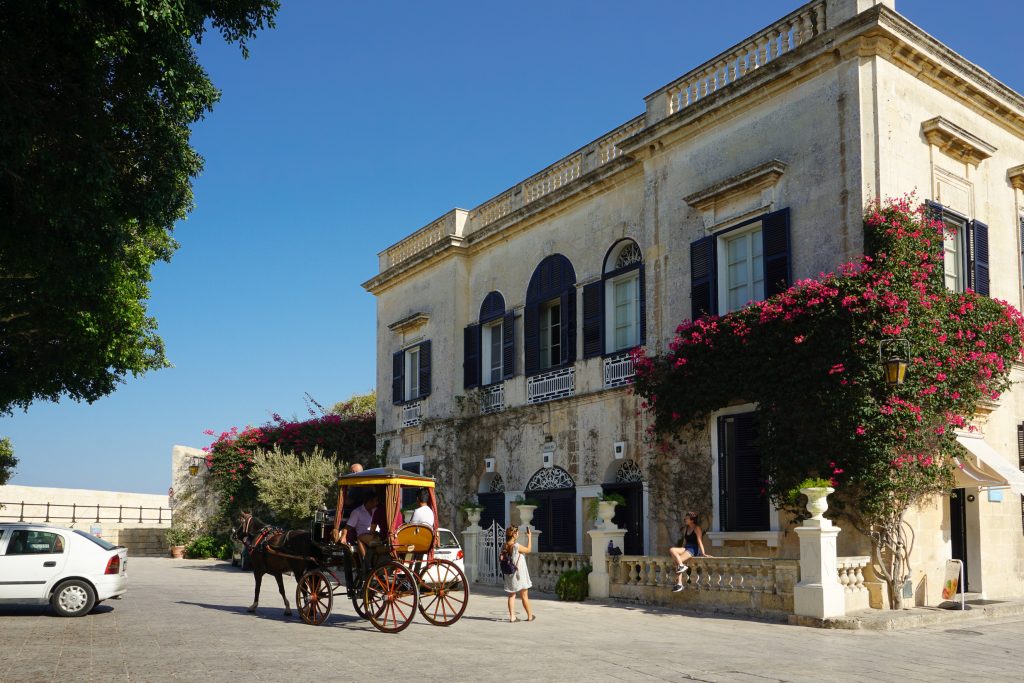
point(641, 289)
point(424, 369)
point(934, 211)
point(531, 338)
point(979, 252)
point(593, 319)
point(703, 297)
point(471, 357)
point(1020, 457)
point(508, 346)
point(567, 303)
point(398, 377)
point(746, 507)
point(493, 307)
point(775, 241)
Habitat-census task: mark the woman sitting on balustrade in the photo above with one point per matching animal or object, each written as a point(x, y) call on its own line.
point(692, 546)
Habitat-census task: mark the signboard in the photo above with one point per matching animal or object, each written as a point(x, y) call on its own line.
point(951, 580)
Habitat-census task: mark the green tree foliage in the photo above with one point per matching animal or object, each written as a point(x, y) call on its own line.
point(96, 104)
point(7, 460)
point(809, 359)
point(358, 405)
point(291, 487)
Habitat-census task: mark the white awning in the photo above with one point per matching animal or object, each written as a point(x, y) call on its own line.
point(993, 465)
point(968, 476)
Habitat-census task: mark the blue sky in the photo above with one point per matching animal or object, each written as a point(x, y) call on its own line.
point(351, 125)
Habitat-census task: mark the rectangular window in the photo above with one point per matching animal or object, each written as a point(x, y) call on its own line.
point(954, 253)
point(742, 266)
point(412, 373)
point(550, 334)
point(623, 325)
point(743, 505)
point(493, 353)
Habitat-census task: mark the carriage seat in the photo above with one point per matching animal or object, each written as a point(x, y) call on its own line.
point(412, 540)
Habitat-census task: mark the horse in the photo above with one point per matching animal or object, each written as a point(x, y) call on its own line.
point(276, 552)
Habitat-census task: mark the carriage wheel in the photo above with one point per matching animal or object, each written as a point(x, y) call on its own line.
point(391, 597)
point(314, 597)
point(444, 592)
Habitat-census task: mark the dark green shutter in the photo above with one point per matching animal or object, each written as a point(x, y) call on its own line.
point(424, 369)
point(508, 346)
point(702, 278)
point(471, 357)
point(641, 289)
point(531, 338)
point(934, 211)
point(775, 242)
point(398, 377)
point(979, 252)
point(493, 307)
point(593, 319)
point(567, 306)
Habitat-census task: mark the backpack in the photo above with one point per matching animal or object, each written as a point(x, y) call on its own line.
point(507, 563)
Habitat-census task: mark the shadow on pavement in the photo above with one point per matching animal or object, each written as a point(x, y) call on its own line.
point(276, 614)
point(45, 611)
point(221, 566)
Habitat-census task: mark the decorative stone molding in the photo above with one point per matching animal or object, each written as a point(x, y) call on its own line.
point(409, 323)
point(771, 538)
point(1016, 176)
point(758, 182)
point(956, 142)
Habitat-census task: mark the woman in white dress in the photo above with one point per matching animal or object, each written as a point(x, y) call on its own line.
point(518, 581)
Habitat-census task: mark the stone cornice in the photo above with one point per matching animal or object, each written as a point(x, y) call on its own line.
point(446, 246)
point(753, 179)
point(1016, 176)
point(409, 322)
point(956, 142)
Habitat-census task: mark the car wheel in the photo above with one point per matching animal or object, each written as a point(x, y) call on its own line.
point(73, 598)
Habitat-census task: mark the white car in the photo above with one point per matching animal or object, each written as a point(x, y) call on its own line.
point(448, 548)
point(70, 569)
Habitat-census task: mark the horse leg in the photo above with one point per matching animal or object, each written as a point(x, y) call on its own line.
point(256, 598)
point(280, 585)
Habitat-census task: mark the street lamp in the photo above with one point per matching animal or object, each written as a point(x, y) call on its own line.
point(193, 465)
point(894, 354)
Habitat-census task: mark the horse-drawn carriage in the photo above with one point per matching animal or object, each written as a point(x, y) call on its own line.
point(390, 582)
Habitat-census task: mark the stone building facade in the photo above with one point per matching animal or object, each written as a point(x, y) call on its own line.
point(504, 331)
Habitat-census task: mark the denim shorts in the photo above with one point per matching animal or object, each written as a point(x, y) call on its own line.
point(692, 549)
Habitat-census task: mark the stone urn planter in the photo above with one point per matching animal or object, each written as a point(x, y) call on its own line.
point(526, 513)
point(473, 515)
point(177, 551)
point(817, 500)
point(605, 512)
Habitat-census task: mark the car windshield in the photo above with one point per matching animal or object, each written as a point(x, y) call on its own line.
point(446, 539)
point(98, 541)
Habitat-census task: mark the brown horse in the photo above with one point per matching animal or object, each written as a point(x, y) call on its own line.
point(275, 552)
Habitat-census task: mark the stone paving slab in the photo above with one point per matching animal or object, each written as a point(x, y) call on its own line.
point(185, 620)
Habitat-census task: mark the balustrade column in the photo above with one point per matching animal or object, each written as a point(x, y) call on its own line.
point(471, 550)
point(819, 593)
point(598, 579)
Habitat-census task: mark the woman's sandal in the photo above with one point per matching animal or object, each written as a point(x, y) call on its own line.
point(532, 617)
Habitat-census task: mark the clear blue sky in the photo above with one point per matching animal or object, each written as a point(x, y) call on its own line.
point(351, 125)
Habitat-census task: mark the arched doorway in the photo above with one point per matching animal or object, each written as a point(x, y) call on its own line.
point(555, 491)
point(629, 484)
point(492, 498)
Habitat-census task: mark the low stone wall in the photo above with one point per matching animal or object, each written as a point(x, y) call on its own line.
point(743, 585)
point(547, 567)
point(135, 520)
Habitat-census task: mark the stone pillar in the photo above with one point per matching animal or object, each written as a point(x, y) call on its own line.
point(598, 579)
point(819, 593)
point(471, 549)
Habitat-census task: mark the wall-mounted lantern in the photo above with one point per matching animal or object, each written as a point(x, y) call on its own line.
point(193, 465)
point(894, 354)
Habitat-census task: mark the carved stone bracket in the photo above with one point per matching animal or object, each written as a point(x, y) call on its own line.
point(956, 142)
point(1016, 176)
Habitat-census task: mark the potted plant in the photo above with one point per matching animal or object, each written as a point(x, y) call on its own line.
point(526, 507)
point(603, 507)
point(472, 510)
point(178, 536)
point(817, 490)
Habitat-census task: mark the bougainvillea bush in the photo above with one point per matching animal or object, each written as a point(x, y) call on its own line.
point(809, 359)
point(342, 439)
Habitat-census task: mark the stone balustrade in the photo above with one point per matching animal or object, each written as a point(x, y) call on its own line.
point(749, 585)
point(450, 224)
point(851, 576)
point(746, 56)
point(549, 566)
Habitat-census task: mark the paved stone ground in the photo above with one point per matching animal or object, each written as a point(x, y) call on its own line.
point(186, 620)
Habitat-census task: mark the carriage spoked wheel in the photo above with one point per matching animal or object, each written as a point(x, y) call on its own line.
point(391, 597)
point(444, 592)
point(314, 597)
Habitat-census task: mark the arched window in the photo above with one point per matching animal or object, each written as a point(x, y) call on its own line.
point(489, 345)
point(549, 317)
point(555, 490)
point(614, 308)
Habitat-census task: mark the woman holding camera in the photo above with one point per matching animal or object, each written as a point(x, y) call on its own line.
point(518, 581)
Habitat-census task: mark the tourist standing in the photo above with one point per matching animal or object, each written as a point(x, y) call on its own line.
point(519, 580)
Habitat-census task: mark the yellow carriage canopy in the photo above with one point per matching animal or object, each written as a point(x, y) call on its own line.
point(393, 479)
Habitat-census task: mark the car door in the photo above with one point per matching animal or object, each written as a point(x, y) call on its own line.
point(31, 561)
